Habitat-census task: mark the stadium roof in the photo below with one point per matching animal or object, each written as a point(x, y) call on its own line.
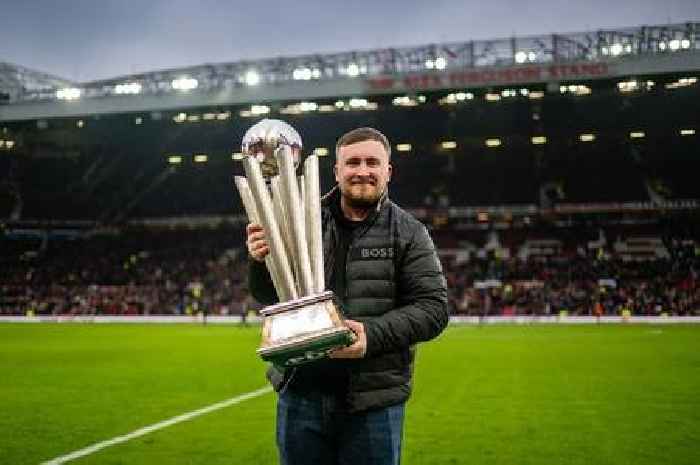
point(590, 55)
point(16, 82)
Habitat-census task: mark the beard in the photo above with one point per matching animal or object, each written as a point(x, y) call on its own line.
point(363, 196)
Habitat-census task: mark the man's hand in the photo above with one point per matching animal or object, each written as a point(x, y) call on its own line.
point(358, 348)
point(256, 242)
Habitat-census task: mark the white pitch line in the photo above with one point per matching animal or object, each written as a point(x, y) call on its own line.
point(156, 426)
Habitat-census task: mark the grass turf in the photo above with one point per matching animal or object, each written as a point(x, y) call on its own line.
point(618, 394)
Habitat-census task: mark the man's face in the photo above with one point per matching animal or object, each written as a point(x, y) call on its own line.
point(362, 171)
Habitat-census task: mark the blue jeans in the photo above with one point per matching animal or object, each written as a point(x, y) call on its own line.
point(316, 429)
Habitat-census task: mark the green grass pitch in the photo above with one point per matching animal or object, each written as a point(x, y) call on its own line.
point(617, 394)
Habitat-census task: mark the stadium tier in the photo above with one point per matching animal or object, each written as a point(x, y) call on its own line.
point(487, 148)
point(644, 268)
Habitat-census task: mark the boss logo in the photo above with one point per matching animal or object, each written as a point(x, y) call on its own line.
point(377, 252)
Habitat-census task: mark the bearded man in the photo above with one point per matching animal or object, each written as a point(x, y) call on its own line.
point(382, 265)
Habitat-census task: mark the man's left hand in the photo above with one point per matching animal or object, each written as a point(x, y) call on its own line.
point(358, 348)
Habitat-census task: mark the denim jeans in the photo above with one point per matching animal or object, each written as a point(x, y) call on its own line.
point(315, 428)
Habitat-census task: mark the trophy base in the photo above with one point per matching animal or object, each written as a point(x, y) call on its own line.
point(303, 330)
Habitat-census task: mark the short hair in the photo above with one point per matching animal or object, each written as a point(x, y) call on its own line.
point(361, 135)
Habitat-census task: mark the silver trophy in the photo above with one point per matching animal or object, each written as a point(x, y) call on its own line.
point(307, 323)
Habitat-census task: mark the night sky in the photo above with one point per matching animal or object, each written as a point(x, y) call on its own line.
point(94, 39)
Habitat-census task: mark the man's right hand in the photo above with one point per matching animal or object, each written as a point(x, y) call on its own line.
point(257, 245)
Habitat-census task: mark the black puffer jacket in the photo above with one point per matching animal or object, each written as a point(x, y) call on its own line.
point(394, 286)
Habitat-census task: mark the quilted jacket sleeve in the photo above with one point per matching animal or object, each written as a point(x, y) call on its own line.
point(422, 287)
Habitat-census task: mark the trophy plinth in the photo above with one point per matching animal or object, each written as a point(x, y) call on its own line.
point(302, 330)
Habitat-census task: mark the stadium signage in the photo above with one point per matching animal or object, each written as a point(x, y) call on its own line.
point(492, 76)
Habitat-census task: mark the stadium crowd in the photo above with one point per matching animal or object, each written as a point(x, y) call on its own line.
point(140, 272)
point(184, 272)
point(579, 286)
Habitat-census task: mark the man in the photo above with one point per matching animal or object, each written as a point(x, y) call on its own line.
point(382, 266)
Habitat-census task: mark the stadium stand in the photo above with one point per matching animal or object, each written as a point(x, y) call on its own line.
point(135, 272)
point(111, 169)
point(647, 269)
point(544, 195)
